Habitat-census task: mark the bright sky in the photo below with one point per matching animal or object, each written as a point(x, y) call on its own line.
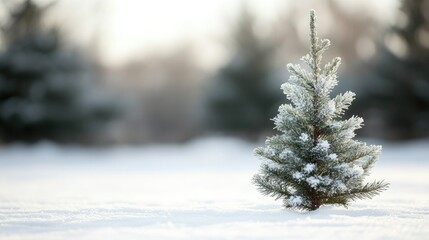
point(148, 25)
point(133, 28)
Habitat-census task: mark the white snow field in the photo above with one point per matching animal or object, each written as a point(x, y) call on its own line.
point(199, 190)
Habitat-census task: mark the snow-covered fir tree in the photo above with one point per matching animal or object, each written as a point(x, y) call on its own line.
point(315, 161)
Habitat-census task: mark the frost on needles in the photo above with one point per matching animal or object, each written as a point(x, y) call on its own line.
point(315, 161)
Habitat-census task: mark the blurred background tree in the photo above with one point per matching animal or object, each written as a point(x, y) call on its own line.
point(46, 90)
point(394, 90)
point(244, 95)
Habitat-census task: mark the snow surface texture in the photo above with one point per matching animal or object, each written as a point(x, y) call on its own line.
point(200, 190)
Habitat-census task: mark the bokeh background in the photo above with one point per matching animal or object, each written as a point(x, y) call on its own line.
point(104, 72)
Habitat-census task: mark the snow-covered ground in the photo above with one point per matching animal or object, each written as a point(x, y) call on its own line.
point(200, 190)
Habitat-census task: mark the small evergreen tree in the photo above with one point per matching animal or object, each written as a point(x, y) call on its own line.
point(315, 160)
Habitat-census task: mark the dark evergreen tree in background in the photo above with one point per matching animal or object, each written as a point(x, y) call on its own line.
point(396, 90)
point(242, 97)
point(46, 91)
point(315, 161)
